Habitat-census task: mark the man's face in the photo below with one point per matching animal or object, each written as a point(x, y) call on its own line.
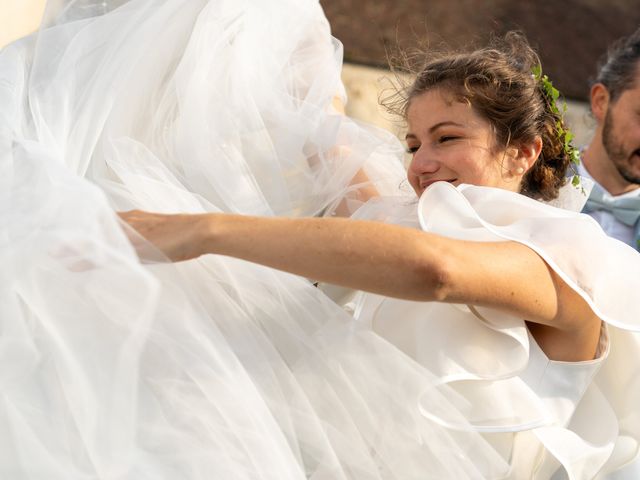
point(621, 133)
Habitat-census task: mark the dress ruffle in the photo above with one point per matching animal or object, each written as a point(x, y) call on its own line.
point(589, 425)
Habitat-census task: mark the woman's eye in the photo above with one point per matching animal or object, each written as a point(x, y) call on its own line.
point(412, 150)
point(447, 138)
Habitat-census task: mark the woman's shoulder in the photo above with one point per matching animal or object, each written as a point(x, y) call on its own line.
point(599, 268)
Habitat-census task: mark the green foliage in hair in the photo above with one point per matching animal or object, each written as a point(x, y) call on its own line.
point(552, 96)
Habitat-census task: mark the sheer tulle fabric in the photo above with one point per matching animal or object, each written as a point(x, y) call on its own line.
point(113, 369)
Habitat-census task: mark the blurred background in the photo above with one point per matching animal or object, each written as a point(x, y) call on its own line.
point(19, 18)
point(570, 36)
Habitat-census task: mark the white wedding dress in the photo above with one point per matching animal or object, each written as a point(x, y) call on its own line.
point(113, 368)
point(548, 419)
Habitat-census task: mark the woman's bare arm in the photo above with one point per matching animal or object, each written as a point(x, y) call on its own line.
point(379, 258)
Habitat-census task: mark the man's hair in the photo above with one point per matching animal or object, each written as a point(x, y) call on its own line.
point(618, 68)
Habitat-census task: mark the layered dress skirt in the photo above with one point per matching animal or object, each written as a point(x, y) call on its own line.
point(120, 365)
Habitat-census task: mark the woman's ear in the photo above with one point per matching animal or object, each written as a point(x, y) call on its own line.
point(528, 153)
point(522, 157)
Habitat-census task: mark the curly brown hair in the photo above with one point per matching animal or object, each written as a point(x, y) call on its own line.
point(497, 81)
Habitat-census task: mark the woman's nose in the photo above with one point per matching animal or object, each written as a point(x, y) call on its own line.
point(422, 163)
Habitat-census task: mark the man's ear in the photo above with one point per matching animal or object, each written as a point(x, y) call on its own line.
point(599, 101)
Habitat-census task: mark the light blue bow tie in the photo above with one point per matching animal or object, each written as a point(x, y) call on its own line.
point(625, 209)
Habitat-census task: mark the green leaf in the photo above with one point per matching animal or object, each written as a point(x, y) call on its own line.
point(537, 71)
point(575, 181)
point(568, 136)
point(552, 95)
point(575, 156)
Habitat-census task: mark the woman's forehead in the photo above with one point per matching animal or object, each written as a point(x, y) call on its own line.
point(439, 106)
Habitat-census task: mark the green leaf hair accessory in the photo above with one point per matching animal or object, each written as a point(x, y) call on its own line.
point(552, 96)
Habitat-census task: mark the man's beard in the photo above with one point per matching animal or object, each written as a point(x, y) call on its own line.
point(618, 156)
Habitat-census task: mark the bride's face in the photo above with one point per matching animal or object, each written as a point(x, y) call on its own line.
point(449, 141)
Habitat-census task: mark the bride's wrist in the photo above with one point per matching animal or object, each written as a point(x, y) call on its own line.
point(209, 241)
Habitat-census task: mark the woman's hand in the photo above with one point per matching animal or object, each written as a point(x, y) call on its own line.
point(179, 237)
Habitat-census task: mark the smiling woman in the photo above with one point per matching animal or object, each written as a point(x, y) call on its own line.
point(484, 346)
point(487, 144)
point(449, 141)
point(494, 86)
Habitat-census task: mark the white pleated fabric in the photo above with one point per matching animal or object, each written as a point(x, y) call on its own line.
point(215, 368)
point(576, 420)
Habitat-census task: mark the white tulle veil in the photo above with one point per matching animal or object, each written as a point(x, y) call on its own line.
point(216, 368)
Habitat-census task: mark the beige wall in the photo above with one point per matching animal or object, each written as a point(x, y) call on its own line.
point(19, 18)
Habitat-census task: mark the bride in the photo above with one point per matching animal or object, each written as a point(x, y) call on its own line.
point(216, 368)
point(219, 368)
point(480, 119)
